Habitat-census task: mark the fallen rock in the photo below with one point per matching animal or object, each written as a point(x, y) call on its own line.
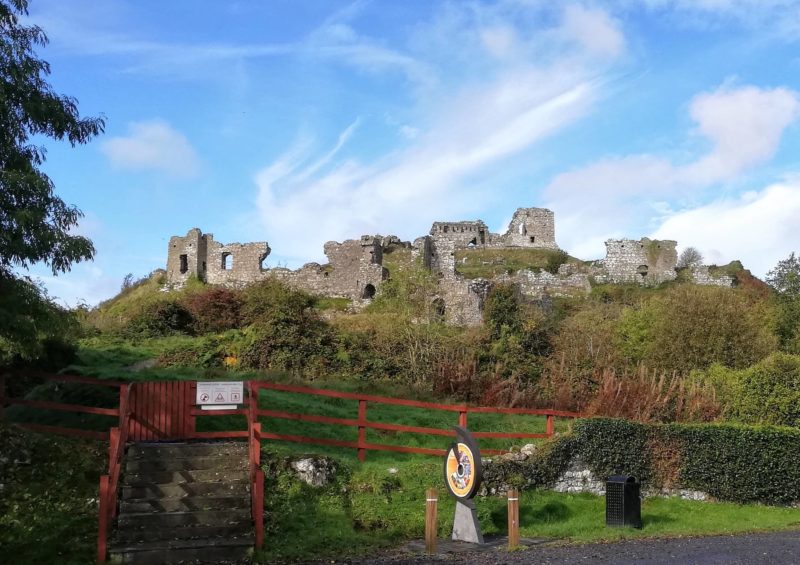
point(314, 470)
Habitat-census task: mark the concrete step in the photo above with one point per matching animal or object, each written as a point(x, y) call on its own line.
point(184, 551)
point(151, 520)
point(171, 450)
point(127, 536)
point(220, 463)
point(151, 490)
point(185, 504)
point(144, 478)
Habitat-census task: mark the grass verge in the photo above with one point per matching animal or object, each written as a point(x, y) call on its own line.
point(381, 503)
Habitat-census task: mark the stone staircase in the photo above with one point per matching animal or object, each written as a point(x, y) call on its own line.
point(184, 503)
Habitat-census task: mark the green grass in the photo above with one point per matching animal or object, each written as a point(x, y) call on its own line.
point(48, 499)
point(109, 359)
point(369, 508)
point(333, 303)
point(489, 263)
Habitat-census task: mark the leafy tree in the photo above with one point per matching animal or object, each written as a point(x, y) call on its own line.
point(690, 257)
point(501, 312)
point(34, 223)
point(785, 279)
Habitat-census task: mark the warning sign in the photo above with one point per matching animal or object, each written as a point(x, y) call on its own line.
point(214, 393)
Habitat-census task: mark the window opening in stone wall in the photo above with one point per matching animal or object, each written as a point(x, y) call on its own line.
point(642, 270)
point(444, 229)
point(204, 265)
point(438, 309)
point(369, 292)
point(372, 257)
point(533, 239)
point(522, 229)
point(227, 262)
point(482, 236)
point(184, 263)
point(473, 242)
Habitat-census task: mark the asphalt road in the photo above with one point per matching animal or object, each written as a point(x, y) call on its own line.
point(782, 548)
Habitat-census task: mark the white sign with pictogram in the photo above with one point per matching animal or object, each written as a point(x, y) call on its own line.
point(219, 395)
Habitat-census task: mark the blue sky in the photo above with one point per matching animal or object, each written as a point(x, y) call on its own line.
point(299, 122)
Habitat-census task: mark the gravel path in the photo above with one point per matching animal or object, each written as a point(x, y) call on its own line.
point(782, 548)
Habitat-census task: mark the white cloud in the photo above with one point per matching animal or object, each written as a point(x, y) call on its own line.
point(743, 125)
point(153, 145)
point(594, 28)
point(759, 228)
point(504, 77)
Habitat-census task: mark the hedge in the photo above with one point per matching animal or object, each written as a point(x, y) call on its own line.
point(727, 461)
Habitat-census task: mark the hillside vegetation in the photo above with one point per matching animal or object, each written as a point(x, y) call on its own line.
point(678, 352)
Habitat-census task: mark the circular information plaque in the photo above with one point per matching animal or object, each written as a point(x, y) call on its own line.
point(462, 466)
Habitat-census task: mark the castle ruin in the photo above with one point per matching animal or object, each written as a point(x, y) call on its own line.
point(355, 267)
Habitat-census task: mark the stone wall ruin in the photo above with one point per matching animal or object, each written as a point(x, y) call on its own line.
point(355, 267)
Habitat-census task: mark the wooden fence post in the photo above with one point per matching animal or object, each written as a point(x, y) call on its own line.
point(259, 509)
point(431, 502)
point(550, 426)
point(362, 430)
point(2, 394)
point(113, 448)
point(462, 418)
point(513, 518)
point(102, 520)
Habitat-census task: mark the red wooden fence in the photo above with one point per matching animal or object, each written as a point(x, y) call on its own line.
point(165, 410)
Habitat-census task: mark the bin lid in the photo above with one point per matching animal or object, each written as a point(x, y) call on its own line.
point(621, 479)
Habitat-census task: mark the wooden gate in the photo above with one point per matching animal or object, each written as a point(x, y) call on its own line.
point(162, 410)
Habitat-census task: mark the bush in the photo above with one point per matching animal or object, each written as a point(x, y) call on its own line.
point(501, 311)
point(160, 319)
point(768, 392)
point(730, 462)
point(287, 332)
point(215, 310)
point(691, 327)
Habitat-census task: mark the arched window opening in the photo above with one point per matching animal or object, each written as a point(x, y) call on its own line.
point(642, 270)
point(184, 263)
point(522, 229)
point(227, 262)
point(369, 292)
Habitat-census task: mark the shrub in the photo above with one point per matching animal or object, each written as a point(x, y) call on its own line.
point(582, 348)
point(215, 310)
point(730, 462)
point(555, 260)
point(287, 333)
point(501, 311)
point(160, 319)
point(690, 327)
point(768, 392)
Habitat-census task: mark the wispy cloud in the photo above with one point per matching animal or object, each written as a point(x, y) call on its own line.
point(496, 106)
point(153, 145)
point(758, 227)
point(743, 125)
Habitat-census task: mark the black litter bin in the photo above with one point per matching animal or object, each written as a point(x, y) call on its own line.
point(623, 502)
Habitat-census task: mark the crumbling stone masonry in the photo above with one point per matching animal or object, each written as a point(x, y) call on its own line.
point(646, 262)
point(355, 268)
